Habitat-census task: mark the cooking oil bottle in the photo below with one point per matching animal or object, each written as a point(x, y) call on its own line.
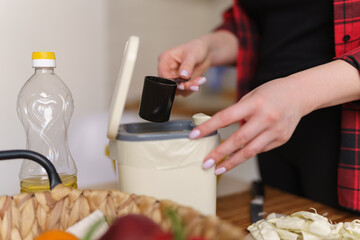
point(45, 106)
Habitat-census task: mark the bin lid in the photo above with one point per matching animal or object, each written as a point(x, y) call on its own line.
point(122, 86)
point(148, 131)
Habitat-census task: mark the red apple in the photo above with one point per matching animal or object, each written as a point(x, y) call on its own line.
point(135, 227)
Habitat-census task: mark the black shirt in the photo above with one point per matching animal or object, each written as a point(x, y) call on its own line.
point(293, 35)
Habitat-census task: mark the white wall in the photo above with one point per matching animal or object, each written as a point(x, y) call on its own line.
point(88, 38)
point(160, 24)
point(76, 31)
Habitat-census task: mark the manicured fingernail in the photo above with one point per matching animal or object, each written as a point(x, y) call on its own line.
point(194, 134)
point(184, 73)
point(220, 171)
point(181, 87)
point(208, 163)
point(194, 88)
point(202, 81)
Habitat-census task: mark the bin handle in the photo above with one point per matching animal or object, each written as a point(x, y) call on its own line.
point(54, 178)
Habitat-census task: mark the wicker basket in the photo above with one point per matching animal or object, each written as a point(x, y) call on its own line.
point(26, 215)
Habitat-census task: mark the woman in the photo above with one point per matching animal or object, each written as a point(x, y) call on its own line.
point(300, 59)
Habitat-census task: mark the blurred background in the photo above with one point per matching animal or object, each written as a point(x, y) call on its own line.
point(88, 38)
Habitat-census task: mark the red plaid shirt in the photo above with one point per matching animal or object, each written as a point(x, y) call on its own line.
point(347, 47)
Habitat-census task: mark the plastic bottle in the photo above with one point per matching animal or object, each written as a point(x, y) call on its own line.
point(45, 106)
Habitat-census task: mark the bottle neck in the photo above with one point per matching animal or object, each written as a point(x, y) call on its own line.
point(44, 70)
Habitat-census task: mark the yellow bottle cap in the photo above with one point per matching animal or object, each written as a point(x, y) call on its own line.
point(43, 55)
point(43, 59)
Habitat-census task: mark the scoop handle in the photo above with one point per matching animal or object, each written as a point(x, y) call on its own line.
point(54, 178)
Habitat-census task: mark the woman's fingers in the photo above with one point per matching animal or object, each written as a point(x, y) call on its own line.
point(257, 145)
point(187, 66)
point(271, 114)
point(171, 66)
point(193, 85)
point(224, 118)
point(240, 138)
point(189, 62)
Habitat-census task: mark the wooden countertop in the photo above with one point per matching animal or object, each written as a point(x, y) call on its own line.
point(236, 208)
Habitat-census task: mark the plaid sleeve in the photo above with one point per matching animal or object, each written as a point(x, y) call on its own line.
point(347, 48)
point(236, 20)
point(352, 57)
point(349, 161)
point(228, 21)
point(347, 31)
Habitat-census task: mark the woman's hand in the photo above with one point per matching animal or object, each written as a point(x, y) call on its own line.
point(271, 112)
point(188, 60)
point(191, 60)
point(268, 122)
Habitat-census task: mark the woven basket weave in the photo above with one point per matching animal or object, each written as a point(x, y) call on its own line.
point(25, 215)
